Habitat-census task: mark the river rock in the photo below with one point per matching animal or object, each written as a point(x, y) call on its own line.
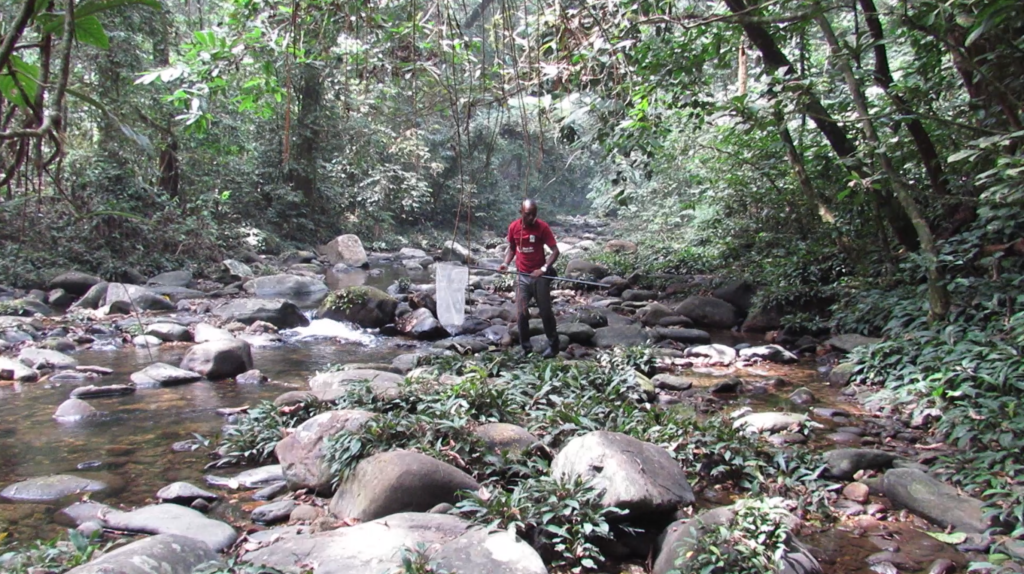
point(11, 370)
point(75, 377)
point(93, 392)
point(471, 325)
point(93, 298)
point(768, 422)
point(712, 354)
point(625, 336)
point(770, 353)
point(237, 270)
point(50, 488)
point(33, 357)
point(579, 333)
point(164, 374)
point(184, 493)
point(636, 295)
point(848, 342)
point(218, 359)
point(671, 382)
point(274, 512)
point(177, 294)
point(583, 269)
point(841, 374)
point(347, 249)
point(505, 437)
point(169, 332)
point(411, 253)
point(252, 377)
point(378, 546)
point(172, 279)
point(682, 537)
point(60, 298)
point(620, 246)
point(421, 324)
point(278, 312)
point(285, 286)
point(635, 476)
point(455, 251)
point(802, 396)
point(75, 282)
point(935, 500)
point(843, 463)
point(205, 332)
point(708, 312)
point(652, 314)
point(739, 294)
point(74, 410)
point(143, 341)
point(137, 298)
point(163, 554)
point(252, 478)
point(173, 519)
point(367, 307)
point(684, 336)
point(398, 481)
point(591, 317)
point(381, 382)
point(301, 453)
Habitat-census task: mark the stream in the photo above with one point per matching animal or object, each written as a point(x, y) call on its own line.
point(129, 445)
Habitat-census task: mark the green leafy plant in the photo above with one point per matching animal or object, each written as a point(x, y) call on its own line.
point(753, 542)
point(58, 554)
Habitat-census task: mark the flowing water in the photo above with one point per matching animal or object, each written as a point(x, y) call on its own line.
point(129, 445)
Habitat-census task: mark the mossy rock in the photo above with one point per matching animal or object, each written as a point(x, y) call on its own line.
point(367, 307)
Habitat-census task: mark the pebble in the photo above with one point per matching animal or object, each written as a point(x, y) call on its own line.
point(895, 558)
point(89, 464)
point(848, 507)
point(200, 505)
point(875, 509)
point(857, 492)
point(304, 513)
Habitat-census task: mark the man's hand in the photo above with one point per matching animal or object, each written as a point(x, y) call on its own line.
point(503, 267)
point(536, 273)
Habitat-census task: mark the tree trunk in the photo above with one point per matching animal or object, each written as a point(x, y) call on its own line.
point(938, 296)
point(742, 73)
point(170, 179)
point(774, 59)
point(306, 136)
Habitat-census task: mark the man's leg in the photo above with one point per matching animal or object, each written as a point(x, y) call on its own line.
point(524, 292)
point(542, 288)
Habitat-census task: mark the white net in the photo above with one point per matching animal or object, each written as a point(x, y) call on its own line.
point(451, 294)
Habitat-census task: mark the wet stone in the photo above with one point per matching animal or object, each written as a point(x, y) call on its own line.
point(304, 513)
point(845, 438)
point(895, 558)
point(271, 492)
point(50, 488)
point(856, 491)
point(785, 438)
point(848, 507)
point(274, 512)
point(184, 493)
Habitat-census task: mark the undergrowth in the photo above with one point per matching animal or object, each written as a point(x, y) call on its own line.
point(58, 554)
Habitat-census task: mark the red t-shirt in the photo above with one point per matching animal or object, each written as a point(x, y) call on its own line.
point(529, 243)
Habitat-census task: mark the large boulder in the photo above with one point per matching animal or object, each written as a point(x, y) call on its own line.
point(455, 251)
point(398, 481)
point(682, 538)
point(635, 476)
point(278, 312)
point(137, 298)
point(940, 503)
point(301, 453)
point(75, 282)
point(378, 546)
point(709, 312)
point(580, 333)
point(173, 519)
point(218, 359)
point(684, 336)
point(367, 307)
point(73, 410)
point(50, 488)
point(94, 297)
point(285, 286)
point(763, 320)
point(205, 332)
point(164, 553)
point(652, 314)
point(169, 332)
point(347, 249)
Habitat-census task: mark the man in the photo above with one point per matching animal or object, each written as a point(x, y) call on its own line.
point(527, 237)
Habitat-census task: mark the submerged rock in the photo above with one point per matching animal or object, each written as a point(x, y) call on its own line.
point(218, 359)
point(173, 519)
point(73, 410)
point(50, 488)
point(164, 374)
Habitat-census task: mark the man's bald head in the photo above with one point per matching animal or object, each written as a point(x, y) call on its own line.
point(528, 212)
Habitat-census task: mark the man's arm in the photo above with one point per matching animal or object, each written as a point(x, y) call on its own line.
point(549, 263)
point(510, 252)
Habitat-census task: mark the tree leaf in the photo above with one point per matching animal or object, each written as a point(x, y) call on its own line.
point(25, 74)
point(90, 31)
point(950, 538)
